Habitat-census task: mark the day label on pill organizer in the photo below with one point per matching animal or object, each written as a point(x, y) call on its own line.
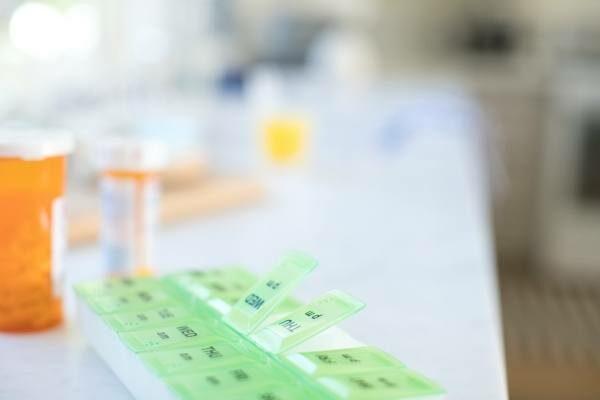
point(238, 379)
point(352, 359)
point(228, 284)
point(116, 286)
point(130, 301)
point(187, 287)
point(184, 333)
point(142, 319)
point(307, 321)
point(256, 305)
point(273, 392)
point(285, 307)
point(388, 383)
point(208, 355)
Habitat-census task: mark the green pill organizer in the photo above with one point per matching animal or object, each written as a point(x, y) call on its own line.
point(225, 334)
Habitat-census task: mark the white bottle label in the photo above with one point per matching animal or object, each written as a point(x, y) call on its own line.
point(129, 218)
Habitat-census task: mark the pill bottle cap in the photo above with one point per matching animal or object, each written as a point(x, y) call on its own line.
point(34, 144)
point(131, 154)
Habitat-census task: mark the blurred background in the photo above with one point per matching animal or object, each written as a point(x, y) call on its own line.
point(239, 89)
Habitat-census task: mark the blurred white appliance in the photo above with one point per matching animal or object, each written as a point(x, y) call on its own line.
point(569, 219)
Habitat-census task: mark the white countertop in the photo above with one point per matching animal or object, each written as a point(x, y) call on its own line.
point(409, 236)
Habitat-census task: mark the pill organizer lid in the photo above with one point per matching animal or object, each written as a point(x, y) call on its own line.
point(34, 144)
point(131, 154)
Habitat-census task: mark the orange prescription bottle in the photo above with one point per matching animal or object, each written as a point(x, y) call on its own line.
point(129, 202)
point(32, 229)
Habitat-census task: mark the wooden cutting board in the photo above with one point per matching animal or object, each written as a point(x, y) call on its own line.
point(209, 196)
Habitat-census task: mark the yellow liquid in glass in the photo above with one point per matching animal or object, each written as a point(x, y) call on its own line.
point(285, 139)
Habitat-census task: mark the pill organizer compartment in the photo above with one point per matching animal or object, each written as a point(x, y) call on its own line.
point(176, 346)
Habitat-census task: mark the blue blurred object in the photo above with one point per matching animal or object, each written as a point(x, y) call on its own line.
point(232, 81)
point(393, 134)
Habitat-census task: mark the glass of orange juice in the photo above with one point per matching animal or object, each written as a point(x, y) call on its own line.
point(32, 228)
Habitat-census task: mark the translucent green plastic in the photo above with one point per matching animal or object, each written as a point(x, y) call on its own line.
point(307, 321)
point(211, 283)
point(116, 286)
point(218, 289)
point(148, 318)
point(210, 354)
point(176, 327)
point(272, 392)
point(134, 300)
point(256, 305)
point(388, 383)
point(185, 333)
point(238, 379)
point(354, 359)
